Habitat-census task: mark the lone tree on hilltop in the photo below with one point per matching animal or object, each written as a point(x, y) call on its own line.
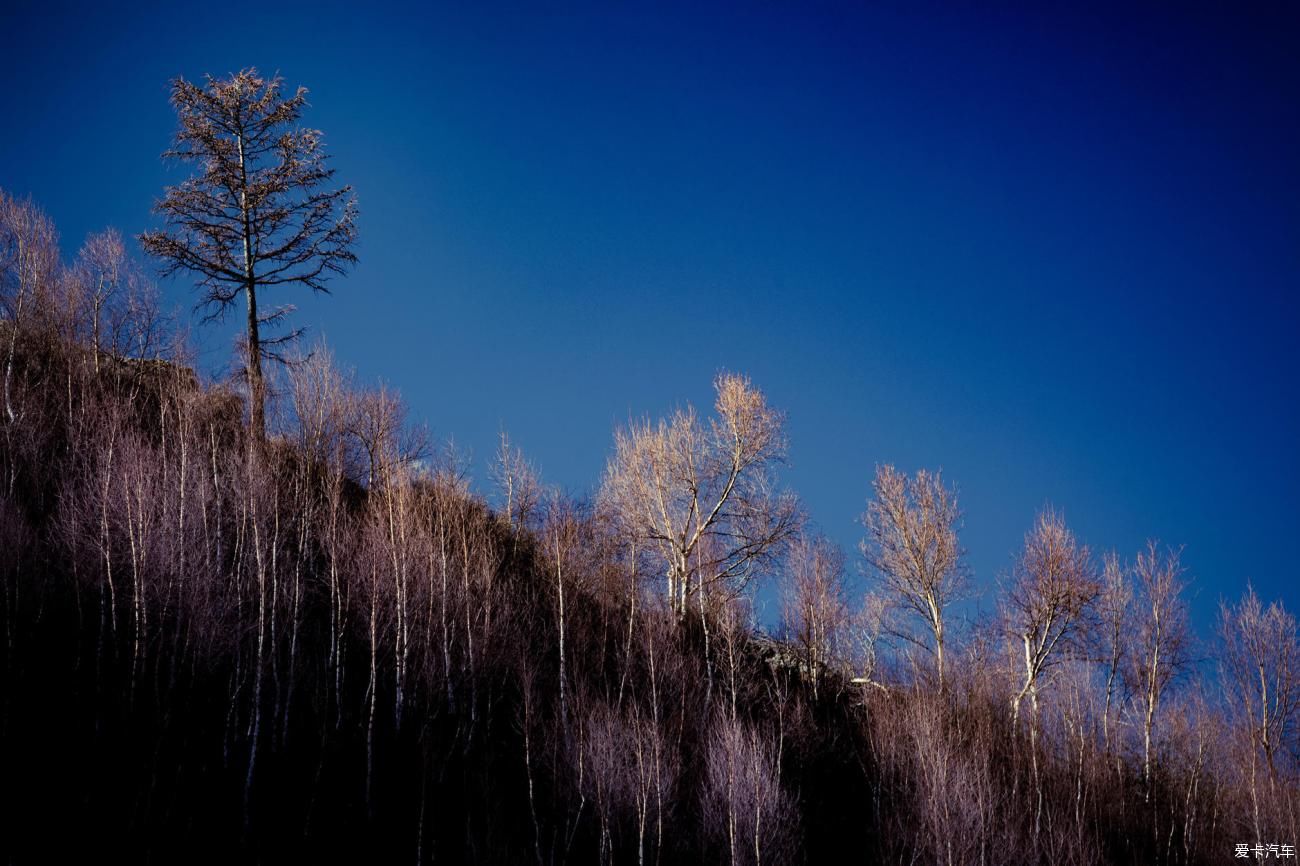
point(255, 215)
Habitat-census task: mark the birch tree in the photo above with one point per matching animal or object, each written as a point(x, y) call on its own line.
point(29, 275)
point(517, 482)
point(1261, 675)
point(1053, 586)
point(1161, 637)
point(702, 494)
point(814, 608)
point(1114, 614)
point(257, 215)
point(912, 545)
point(103, 269)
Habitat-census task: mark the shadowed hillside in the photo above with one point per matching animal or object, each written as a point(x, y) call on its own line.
point(325, 646)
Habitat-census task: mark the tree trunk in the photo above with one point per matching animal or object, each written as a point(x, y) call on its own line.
point(256, 387)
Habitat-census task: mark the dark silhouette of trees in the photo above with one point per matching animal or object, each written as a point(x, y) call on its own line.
point(256, 215)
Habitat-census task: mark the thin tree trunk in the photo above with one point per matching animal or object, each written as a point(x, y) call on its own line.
point(256, 726)
point(559, 584)
point(256, 387)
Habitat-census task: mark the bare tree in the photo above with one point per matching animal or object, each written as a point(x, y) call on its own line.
point(702, 494)
point(116, 307)
point(324, 409)
point(1053, 585)
point(29, 275)
point(1161, 637)
point(813, 604)
point(322, 405)
point(1113, 613)
point(868, 627)
point(392, 452)
point(1197, 730)
point(518, 484)
point(103, 270)
point(255, 215)
point(1261, 673)
point(912, 545)
point(748, 808)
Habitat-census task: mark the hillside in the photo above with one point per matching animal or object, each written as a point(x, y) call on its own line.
point(326, 647)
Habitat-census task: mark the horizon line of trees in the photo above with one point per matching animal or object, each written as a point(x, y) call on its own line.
point(330, 621)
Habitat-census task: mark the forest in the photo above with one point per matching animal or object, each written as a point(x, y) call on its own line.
point(269, 619)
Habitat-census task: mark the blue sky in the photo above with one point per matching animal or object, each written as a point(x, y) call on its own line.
point(1054, 251)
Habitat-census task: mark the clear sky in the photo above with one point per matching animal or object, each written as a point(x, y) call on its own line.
point(1054, 251)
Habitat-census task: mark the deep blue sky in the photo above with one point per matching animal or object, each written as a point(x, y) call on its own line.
point(1054, 252)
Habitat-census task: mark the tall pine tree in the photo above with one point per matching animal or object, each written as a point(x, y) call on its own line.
point(257, 214)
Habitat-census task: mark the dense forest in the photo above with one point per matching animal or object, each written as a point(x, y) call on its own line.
point(268, 620)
